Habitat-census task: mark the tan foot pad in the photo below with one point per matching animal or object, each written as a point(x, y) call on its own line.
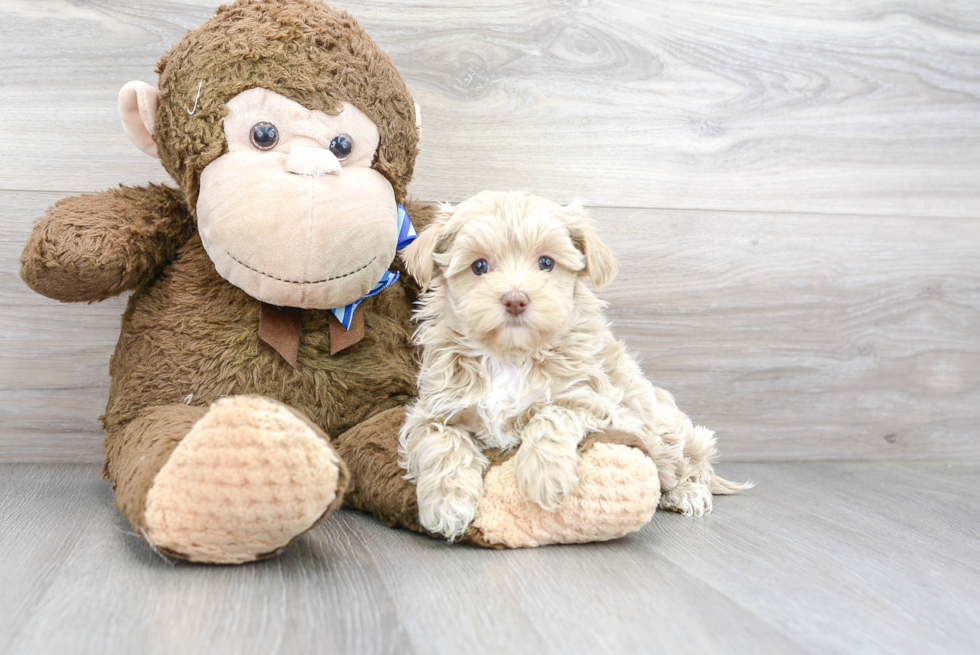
point(617, 495)
point(248, 478)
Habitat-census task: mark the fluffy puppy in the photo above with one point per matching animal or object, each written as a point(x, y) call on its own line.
point(516, 353)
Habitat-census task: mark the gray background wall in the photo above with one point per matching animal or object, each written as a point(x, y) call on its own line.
point(793, 189)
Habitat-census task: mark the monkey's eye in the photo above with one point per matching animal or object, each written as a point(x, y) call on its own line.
point(546, 263)
point(341, 146)
point(264, 136)
point(480, 267)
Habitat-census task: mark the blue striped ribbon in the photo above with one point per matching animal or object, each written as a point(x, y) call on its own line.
point(406, 235)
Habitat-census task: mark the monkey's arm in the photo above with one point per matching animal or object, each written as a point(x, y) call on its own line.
point(92, 247)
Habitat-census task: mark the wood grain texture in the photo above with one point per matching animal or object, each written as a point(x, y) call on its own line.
point(794, 337)
point(111, 594)
point(599, 598)
point(855, 557)
point(793, 334)
point(807, 337)
point(817, 106)
point(44, 514)
point(54, 368)
point(846, 557)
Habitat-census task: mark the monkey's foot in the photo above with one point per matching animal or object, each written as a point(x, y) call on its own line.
point(249, 477)
point(617, 494)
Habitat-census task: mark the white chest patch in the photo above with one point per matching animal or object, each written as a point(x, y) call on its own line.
point(509, 396)
point(506, 382)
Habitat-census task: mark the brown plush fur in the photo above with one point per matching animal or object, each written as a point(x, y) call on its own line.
point(98, 245)
point(305, 50)
point(204, 333)
point(379, 487)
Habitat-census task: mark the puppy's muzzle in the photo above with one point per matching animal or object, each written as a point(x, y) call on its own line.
point(515, 302)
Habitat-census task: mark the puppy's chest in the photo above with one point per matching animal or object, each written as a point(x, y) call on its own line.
point(510, 394)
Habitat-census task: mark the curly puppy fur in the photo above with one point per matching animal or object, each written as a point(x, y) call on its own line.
point(539, 378)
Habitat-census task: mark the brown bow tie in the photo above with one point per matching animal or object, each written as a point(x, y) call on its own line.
point(280, 327)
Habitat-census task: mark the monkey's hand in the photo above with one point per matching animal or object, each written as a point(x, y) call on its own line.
point(95, 246)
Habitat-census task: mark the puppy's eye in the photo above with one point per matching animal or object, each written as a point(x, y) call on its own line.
point(546, 263)
point(480, 267)
point(341, 146)
point(264, 135)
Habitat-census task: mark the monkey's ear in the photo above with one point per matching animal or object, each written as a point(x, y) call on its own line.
point(600, 263)
point(138, 105)
point(420, 255)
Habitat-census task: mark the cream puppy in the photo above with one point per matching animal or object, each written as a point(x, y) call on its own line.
point(517, 354)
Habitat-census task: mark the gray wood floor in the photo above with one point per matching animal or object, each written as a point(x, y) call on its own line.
point(848, 557)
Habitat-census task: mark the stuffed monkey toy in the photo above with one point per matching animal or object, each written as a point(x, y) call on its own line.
point(266, 353)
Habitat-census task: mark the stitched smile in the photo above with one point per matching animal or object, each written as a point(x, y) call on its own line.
point(282, 279)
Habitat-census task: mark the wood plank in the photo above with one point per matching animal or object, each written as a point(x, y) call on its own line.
point(848, 557)
point(54, 368)
point(44, 512)
point(616, 597)
point(795, 337)
point(821, 107)
point(348, 588)
point(831, 557)
point(814, 337)
point(111, 594)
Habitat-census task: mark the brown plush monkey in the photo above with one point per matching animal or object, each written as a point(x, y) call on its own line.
point(292, 138)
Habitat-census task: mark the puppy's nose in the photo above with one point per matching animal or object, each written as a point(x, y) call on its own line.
point(304, 160)
point(515, 302)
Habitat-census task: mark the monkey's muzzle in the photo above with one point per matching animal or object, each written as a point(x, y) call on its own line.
point(295, 229)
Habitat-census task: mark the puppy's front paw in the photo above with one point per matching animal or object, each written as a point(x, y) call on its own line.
point(546, 472)
point(447, 504)
point(449, 517)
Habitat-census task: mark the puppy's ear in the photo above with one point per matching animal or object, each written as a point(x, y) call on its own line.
point(419, 256)
point(600, 263)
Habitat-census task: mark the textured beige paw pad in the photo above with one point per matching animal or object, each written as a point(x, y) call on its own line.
point(248, 478)
point(617, 494)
